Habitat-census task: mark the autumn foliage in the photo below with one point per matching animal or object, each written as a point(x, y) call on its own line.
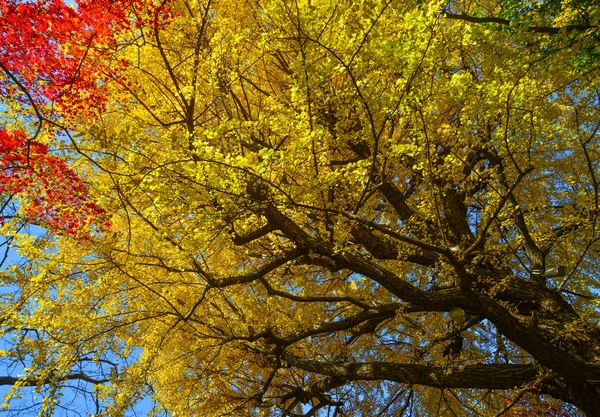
point(61, 53)
point(56, 59)
point(52, 194)
point(299, 193)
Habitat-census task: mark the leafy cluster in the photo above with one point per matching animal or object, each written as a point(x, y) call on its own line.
point(56, 59)
point(51, 193)
point(299, 192)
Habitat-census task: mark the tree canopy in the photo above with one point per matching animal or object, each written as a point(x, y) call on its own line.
point(270, 207)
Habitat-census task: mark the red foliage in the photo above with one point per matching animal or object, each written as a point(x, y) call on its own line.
point(56, 57)
point(60, 53)
point(54, 195)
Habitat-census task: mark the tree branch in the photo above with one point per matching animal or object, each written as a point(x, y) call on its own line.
point(505, 22)
point(493, 376)
point(33, 381)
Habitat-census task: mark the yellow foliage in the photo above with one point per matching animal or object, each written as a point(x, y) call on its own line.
point(300, 190)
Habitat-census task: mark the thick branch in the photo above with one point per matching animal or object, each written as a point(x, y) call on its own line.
point(396, 199)
point(533, 340)
point(393, 283)
point(379, 248)
point(240, 240)
point(537, 29)
point(496, 376)
point(259, 273)
point(33, 381)
point(376, 315)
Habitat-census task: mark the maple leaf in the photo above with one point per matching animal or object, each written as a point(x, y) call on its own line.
point(50, 192)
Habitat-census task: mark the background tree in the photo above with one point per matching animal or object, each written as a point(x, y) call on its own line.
point(52, 67)
point(55, 59)
point(300, 192)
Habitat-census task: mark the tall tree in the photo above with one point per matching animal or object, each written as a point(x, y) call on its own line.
point(300, 192)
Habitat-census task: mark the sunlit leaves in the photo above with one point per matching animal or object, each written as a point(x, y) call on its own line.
point(293, 183)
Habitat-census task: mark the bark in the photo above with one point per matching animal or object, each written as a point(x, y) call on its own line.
point(495, 376)
point(33, 381)
point(530, 315)
point(537, 29)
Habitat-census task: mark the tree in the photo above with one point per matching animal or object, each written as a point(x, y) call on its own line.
point(299, 193)
point(51, 68)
